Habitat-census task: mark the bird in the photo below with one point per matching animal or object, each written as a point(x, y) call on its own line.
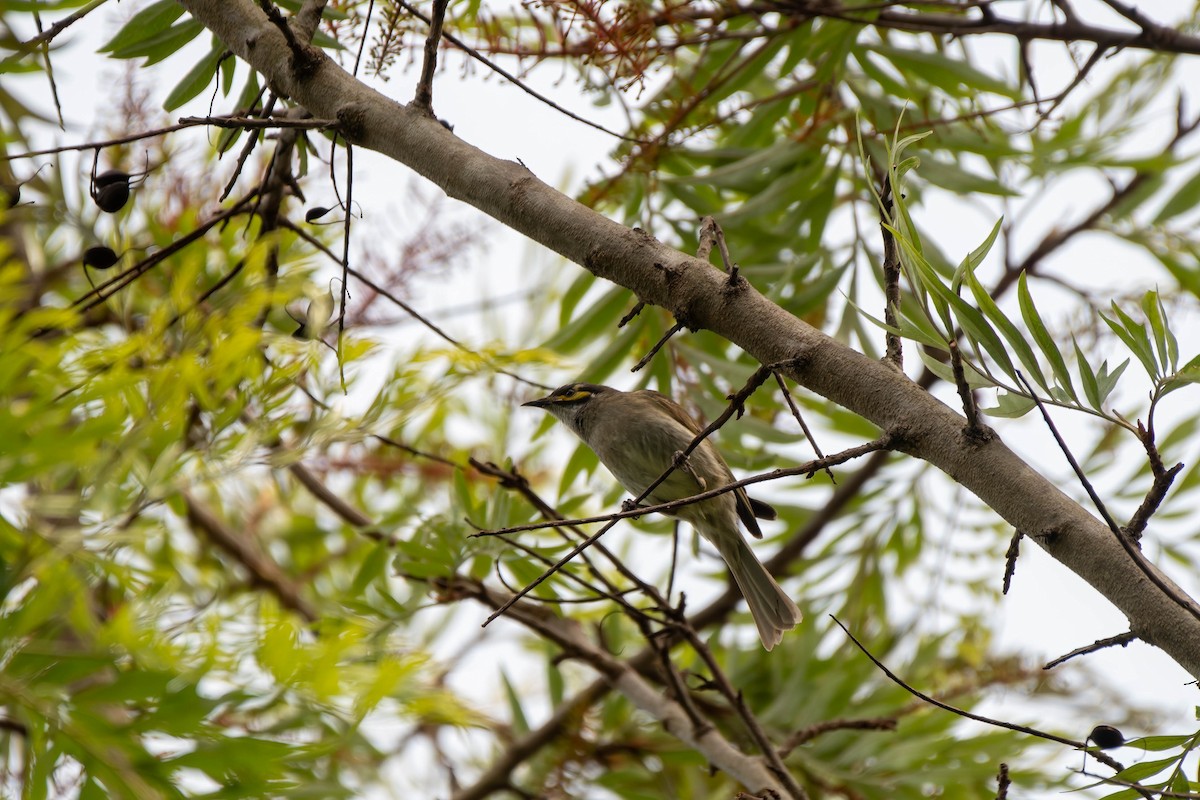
point(638, 436)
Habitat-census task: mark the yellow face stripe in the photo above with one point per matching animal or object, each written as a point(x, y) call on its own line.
point(573, 396)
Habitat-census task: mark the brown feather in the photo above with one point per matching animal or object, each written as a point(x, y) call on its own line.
point(747, 507)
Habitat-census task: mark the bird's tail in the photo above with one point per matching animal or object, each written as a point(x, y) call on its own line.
point(773, 611)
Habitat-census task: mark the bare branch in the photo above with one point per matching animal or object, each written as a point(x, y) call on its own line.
point(424, 96)
point(894, 678)
point(1122, 639)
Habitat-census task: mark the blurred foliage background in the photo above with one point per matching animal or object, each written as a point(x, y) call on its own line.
point(236, 562)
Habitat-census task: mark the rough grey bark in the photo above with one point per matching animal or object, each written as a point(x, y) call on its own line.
point(699, 294)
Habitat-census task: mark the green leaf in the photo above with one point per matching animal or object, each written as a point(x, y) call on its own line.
point(1041, 335)
point(1164, 339)
point(1185, 377)
point(593, 322)
point(974, 378)
point(907, 329)
point(1107, 381)
point(1010, 331)
point(1135, 773)
point(1009, 405)
point(555, 684)
point(1184, 199)
point(1135, 337)
point(519, 722)
point(197, 78)
point(957, 179)
point(149, 22)
point(1160, 742)
point(953, 76)
point(161, 45)
point(974, 324)
point(1091, 389)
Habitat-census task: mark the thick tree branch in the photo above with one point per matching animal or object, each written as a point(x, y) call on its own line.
point(696, 291)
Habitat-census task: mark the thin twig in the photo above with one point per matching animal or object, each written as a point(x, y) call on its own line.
point(498, 775)
point(882, 443)
point(811, 732)
point(1122, 639)
point(644, 360)
point(891, 276)
point(1010, 559)
point(753, 726)
point(787, 396)
point(633, 312)
point(896, 679)
point(513, 79)
point(264, 571)
point(256, 123)
point(408, 309)
point(424, 95)
point(103, 291)
point(345, 293)
point(964, 389)
point(1127, 543)
point(1163, 479)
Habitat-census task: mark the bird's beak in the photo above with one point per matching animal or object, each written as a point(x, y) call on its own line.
point(541, 402)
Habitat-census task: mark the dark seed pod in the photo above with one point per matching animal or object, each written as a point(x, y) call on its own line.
point(110, 190)
point(1106, 737)
point(100, 257)
point(112, 176)
point(10, 194)
point(112, 198)
point(314, 214)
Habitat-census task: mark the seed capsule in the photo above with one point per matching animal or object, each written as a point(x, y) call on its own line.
point(100, 257)
point(1106, 737)
point(110, 190)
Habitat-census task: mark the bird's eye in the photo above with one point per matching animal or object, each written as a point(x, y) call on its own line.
point(574, 395)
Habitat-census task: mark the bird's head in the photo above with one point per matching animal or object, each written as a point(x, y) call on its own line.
point(570, 403)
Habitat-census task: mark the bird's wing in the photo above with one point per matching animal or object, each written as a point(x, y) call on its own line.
point(747, 507)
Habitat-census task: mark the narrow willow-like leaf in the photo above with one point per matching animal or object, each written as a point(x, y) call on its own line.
point(972, 322)
point(150, 21)
point(1042, 336)
point(1010, 406)
point(1091, 389)
point(1184, 199)
point(1107, 380)
point(519, 722)
point(1185, 377)
point(1135, 337)
point(197, 78)
point(1010, 331)
point(1164, 338)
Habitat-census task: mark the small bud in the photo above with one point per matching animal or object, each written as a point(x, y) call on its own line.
point(315, 213)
